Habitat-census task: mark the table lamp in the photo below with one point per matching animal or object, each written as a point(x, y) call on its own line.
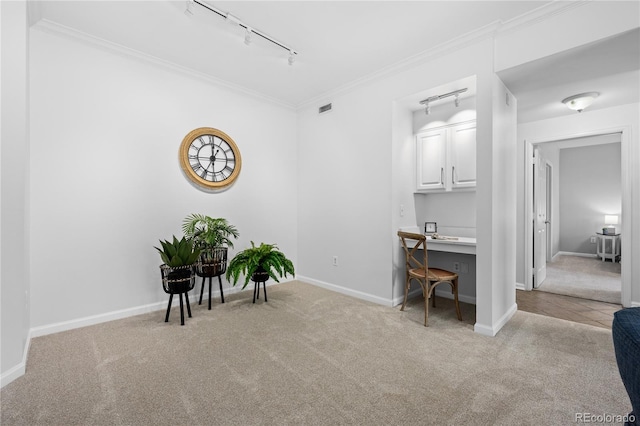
point(609, 221)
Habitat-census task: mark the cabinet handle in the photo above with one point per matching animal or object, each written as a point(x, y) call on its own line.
point(441, 175)
point(453, 175)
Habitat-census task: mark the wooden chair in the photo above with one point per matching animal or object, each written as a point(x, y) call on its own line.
point(417, 268)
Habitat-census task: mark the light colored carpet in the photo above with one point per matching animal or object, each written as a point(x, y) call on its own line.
point(585, 277)
point(315, 357)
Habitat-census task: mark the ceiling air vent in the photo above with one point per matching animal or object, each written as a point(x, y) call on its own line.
point(324, 108)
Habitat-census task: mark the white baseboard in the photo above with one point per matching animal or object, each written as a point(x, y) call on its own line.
point(520, 286)
point(12, 374)
point(635, 304)
point(440, 293)
point(461, 297)
point(349, 292)
point(569, 253)
point(96, 319)
point(19, 369)
point(129, 312)
point(492, 330)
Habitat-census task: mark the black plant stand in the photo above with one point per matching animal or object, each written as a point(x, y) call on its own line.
point(213, 263)
point(259, 278)
point(186, 296)
point(202, 289)
point(179, 280)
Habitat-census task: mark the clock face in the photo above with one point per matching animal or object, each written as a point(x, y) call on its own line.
point(210, 158)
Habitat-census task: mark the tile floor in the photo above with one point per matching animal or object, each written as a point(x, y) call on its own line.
point(599, 314)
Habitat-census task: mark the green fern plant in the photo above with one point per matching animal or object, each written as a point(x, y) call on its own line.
point(264, 258)
point(178, 252)
point(208, 232)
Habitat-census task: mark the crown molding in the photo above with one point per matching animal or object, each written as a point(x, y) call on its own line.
point(54, 28)
point(539, 14)
point(457, 43)
point(491, 30)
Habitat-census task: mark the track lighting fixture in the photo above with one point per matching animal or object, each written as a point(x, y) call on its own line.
point(455, 93)
point(249, 31)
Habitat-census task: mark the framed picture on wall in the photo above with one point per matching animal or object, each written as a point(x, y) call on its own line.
point(430, 227)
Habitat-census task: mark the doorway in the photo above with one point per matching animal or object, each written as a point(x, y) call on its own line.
point(543, 216)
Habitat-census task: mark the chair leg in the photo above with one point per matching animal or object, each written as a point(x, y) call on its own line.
point(166, 318)
point(427, 293)
point(406, 292)
point(221, 293)
point(201, 291)
point(455, 298)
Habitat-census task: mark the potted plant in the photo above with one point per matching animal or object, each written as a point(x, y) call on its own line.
point(212, 236)
point(178, 270)
point(258, 264)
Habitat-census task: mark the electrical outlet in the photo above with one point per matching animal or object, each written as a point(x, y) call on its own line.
point(593, 239)
point(456, 266)
point(335, 260)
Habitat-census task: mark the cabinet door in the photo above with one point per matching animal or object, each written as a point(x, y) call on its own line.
point(462, 172)
point(431, 152)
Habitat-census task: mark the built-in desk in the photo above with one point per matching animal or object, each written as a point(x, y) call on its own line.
point(461, 245)
point(464, 245)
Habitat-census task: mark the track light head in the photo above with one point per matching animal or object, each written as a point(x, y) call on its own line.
point(427, 108)
point(247, 36)
point(292, 57)
point(457, 100)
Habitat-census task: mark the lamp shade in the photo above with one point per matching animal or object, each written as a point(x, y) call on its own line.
point(610, 219)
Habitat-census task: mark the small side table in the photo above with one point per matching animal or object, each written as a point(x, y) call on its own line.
point(613, 251)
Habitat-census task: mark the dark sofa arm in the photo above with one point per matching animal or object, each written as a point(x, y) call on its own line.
point(626, 341)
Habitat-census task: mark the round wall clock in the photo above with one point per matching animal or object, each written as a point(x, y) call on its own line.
point(210, 158)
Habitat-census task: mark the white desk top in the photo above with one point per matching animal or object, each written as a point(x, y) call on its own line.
point(463, 245)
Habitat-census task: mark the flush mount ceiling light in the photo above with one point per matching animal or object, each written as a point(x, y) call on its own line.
point(581, 101)
point(456, 93)
point(249, 30)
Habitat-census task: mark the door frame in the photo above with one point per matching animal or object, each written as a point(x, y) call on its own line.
point(626, 226)
point(548, 168)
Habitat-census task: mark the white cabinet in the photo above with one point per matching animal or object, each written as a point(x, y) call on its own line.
point(446, 158)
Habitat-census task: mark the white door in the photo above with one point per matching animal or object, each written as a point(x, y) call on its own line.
point(540, 222)
point(431, 156)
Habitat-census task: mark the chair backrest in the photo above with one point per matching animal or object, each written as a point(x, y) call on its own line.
point(414, 259)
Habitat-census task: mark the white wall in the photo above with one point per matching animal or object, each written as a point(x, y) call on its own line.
point(503, 205)
point(573, 26)
point(356, 161)
point(589, 189)
point(14, 154)
point(625, 117)
point(106, 183)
